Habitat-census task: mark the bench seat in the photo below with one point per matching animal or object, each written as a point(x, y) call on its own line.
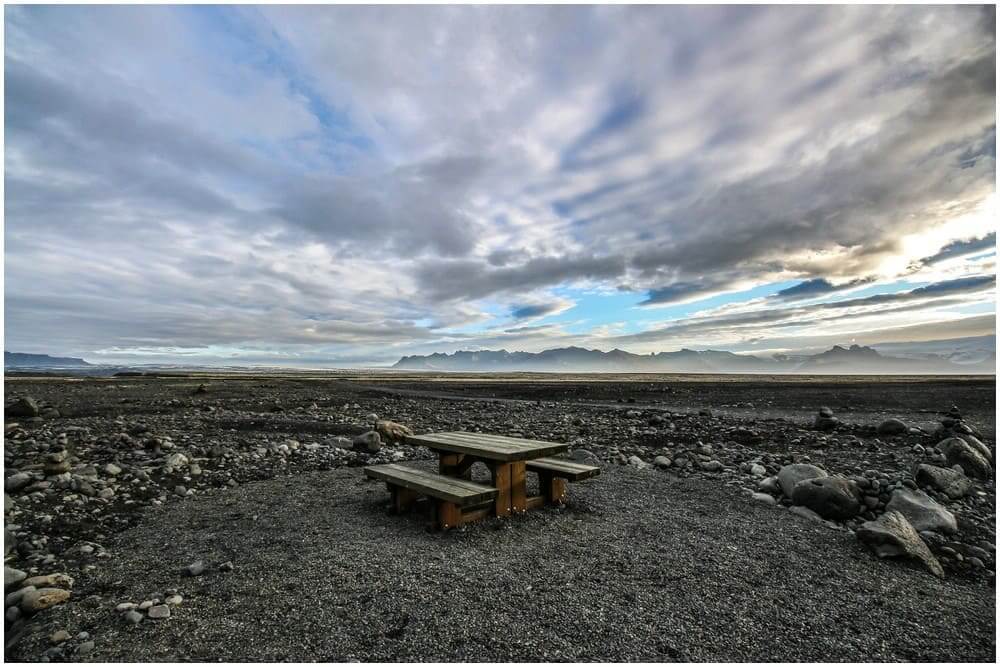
point(564, 468)
point(459, 491)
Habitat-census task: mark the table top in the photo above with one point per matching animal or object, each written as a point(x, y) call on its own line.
point(487, 446)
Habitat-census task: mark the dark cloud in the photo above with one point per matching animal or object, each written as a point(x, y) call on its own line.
point(816, 287)
point(961, 249)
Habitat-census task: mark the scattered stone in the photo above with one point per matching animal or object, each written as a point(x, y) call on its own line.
point(892, 427)
point(16, 482)
point(159, 611)
point(757, 470)
point(391, 431)
point(59, 636)
point(892, 535)
point(369, 441)
point(195, 568)
point(174, 600)
point(825, 421)
point(85, 648)
point(829, 497)
point(133, 617)
point(22, 407)
point(226, 567)
point(12, 577)
point(958, 452)
point(662, 462)
point(43, 598)
point(712, 466)
point(950, 482)
point(764, 498)
point(921, 511)
point(585, 456)
point(125, 606)
point(793, 473)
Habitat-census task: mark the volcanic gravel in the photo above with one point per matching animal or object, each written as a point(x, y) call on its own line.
point(303, 562)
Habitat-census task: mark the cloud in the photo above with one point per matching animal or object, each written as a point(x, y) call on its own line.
point(216, 177)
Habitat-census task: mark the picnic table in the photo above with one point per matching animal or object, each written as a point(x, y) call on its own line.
point(508, 459)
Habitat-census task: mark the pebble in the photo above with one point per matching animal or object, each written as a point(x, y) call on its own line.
point(133, 617)
point(226, 567)
point(125, 606)
point(85, 648)
point(195, 568)
point(174, 600)
point(59, 636)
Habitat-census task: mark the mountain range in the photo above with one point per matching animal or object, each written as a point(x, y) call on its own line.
point(25, 360)
point(853, 360)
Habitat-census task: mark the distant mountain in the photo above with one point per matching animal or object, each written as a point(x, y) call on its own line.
point(837, 360)
point(24, 360)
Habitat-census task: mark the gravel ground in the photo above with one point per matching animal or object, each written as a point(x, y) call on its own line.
point(641, 565)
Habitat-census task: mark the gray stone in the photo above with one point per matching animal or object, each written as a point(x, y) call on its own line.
point(125, 606)
point(711, 466)
point(12, 577)
point(921, 511)
point(978, 445)
point(174, 600)
point(892, 535)
point(892, 427)
point(22, 407)
point(636, 462)
point(793, 473)
point(958, 452)
point(16, 482)
point(112, 469)
point(662, 462)
point(159, 611)
point(769, 485)
point(133, 617)
point(806, 513)
point(829, 497)
point(12, 614)
point(85, 648)
point(764, 498)
point(195, 568)
point(14, 597)
point(59, 636)
point(950, 482)
point(369, 442)
point(757, 470)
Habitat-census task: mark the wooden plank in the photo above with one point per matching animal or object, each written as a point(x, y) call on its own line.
point(402, 499)
point(446, 488)
point(518, 487)
point(500, 473)
point(468, 516)
point(570, 470)
point(487, 446)
point(455, 465)
point(535, 501)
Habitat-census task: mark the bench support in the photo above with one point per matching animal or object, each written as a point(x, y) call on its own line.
point(402, 498)
point(449, 515)
point(553, 488)
point(455, 465)
point(518, 488)
point(500, 473)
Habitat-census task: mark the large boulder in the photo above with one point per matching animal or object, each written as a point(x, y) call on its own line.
point(23, 407)
point(891, 535)
point(892, 427)
point(921, 511)
point(978, 445)
point(391, 431)
point(42, 598)
point(950, 482)
point(958, 452)
point(830, 497)
point(793, 473)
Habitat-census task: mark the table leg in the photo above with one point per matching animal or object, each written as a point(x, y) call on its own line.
point(518, 487)
point(454, 465)
point(501, 475)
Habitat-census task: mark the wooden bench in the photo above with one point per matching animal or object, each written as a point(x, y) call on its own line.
point(458, 500)
point(553, 475)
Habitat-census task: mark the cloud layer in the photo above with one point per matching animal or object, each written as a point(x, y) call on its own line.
point(356, 183)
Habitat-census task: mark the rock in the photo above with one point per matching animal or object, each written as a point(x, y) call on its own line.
point(112, 470)
point(769, 485)
point(958, 452)
point(637, 462)
point(226, 567)
point(43, 598)
point(391, 431)
point(195, 568)
point(125, 606)
point(830, 497)
point(921, 511)
point(892, 535)
point(825, 420)
point(757, 470)
point(174, 462)
point(585, 456)
point(892, 427)
point(662, 462)
point(825, 412)
point(369, 441)
point(133, 617)
point(712, 466)
point(22, 407)
point(201, 389)
point(14, 598)
point(174, 600)
point(806, 513)
point(950, 482)
point(57, 580)
point(764, 498)
point(12, 577)
point(56, 468)
point(978, 445)
point(16, 482)
point(159, 611)
point(59, 636)
point(793, 473)
point(85, 648)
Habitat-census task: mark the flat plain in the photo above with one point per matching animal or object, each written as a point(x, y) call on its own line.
point(666, 556)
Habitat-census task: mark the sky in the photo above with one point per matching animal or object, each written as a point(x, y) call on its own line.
point(341, 186)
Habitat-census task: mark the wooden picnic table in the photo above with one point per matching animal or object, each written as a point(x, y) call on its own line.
point(506, 458)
